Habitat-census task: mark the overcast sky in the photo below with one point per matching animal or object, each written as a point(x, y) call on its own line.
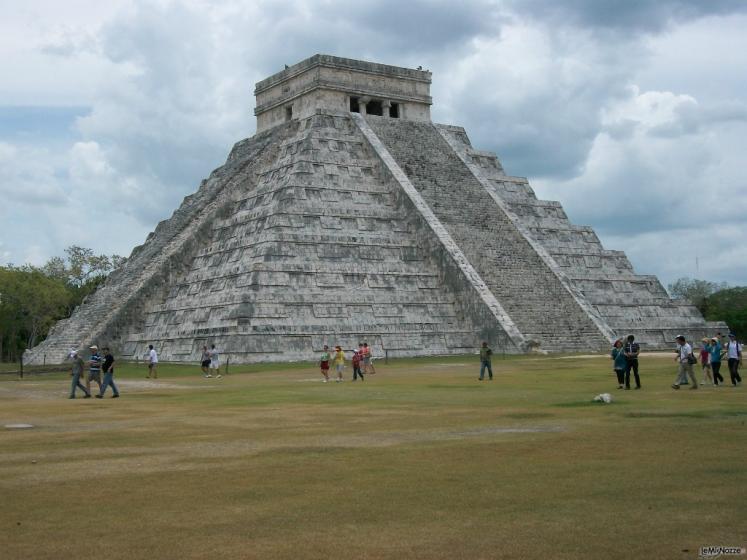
point(633, 114)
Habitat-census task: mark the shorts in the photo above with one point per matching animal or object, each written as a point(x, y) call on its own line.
point(214, 364)
point(94, 376)
point(367, 361)
point(152, 366)
point(324, 365)
point(205, 363)
point(340, 368)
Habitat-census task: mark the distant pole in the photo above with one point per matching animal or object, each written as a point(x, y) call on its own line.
point(44, 360)
point(386, 356)
point(228, 359)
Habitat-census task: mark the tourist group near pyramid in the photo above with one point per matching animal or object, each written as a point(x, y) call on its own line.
point(350, 216)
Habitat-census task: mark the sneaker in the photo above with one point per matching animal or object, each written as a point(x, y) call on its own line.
point(325, 380)
point(621, 386)
point(88, 396)
point(219, 376)
point(693, 387)
point(627, 388)
point(675, 386)
point(638, 387)
point(479, 378)
point(99, 397)
point(71, 397)
point(115, 396)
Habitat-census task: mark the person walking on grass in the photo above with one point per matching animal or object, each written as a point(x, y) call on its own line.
point(631, 349)
point(620, 362)
point(685, 360)
point(205, 362)
point(108, 367)
point(485, 355)
point(368, 366)
point(324, 363)
point(734, 355)
point(705, 362)
point(339, 362)
point(716, 350)
point(356, 361)
point(94, 369)
point(215, 361)
point(76, 372)
point(152, 363)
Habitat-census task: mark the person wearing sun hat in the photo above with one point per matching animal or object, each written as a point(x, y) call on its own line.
point(339, 362)
point(705, 362)
point(716, 350)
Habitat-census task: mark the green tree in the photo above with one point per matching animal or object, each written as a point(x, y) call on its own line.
point(33, 299)
point(695, 291)
point(30, 303)
point(729, 305)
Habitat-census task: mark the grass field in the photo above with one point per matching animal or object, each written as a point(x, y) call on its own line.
point(419, 461)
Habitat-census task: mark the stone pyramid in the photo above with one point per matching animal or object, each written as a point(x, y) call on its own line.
point(351, 217)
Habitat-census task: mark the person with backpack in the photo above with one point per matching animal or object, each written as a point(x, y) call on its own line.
point(686, 360)
point(734, 355)
point(631, 350)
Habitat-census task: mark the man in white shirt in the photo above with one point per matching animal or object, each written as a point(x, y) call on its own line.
point(734, 353)
point(685, 366)
point(215, 361)
point(152, 362)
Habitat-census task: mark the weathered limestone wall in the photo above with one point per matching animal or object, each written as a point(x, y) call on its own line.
point(535, 299)
point(627, 302)
point(313, 242)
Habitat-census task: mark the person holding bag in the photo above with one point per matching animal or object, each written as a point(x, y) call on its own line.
point(686, 360)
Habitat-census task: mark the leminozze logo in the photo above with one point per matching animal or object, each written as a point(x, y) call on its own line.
point(716, 551)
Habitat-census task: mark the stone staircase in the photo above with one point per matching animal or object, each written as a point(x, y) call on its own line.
point(118, 305)
point(532, 295)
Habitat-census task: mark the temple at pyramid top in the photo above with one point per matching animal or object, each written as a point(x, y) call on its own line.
point(324, 82)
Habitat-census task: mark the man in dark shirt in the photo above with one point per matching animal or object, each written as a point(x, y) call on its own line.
point(631, 350)
point(108, 367)
point(485, 354)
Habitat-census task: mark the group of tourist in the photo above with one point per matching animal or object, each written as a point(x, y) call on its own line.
point(625, 354)
point(712, 352)
point(210, 362)
point(96, 363)
point(361, 360)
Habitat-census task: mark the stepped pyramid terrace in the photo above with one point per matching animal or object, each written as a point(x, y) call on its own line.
point(350, 216)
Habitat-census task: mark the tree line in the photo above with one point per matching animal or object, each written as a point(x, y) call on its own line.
point(33, 298)
point(716, 301)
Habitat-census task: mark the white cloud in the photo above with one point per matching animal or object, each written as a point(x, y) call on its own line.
point(595, 105)
point(28, 176)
